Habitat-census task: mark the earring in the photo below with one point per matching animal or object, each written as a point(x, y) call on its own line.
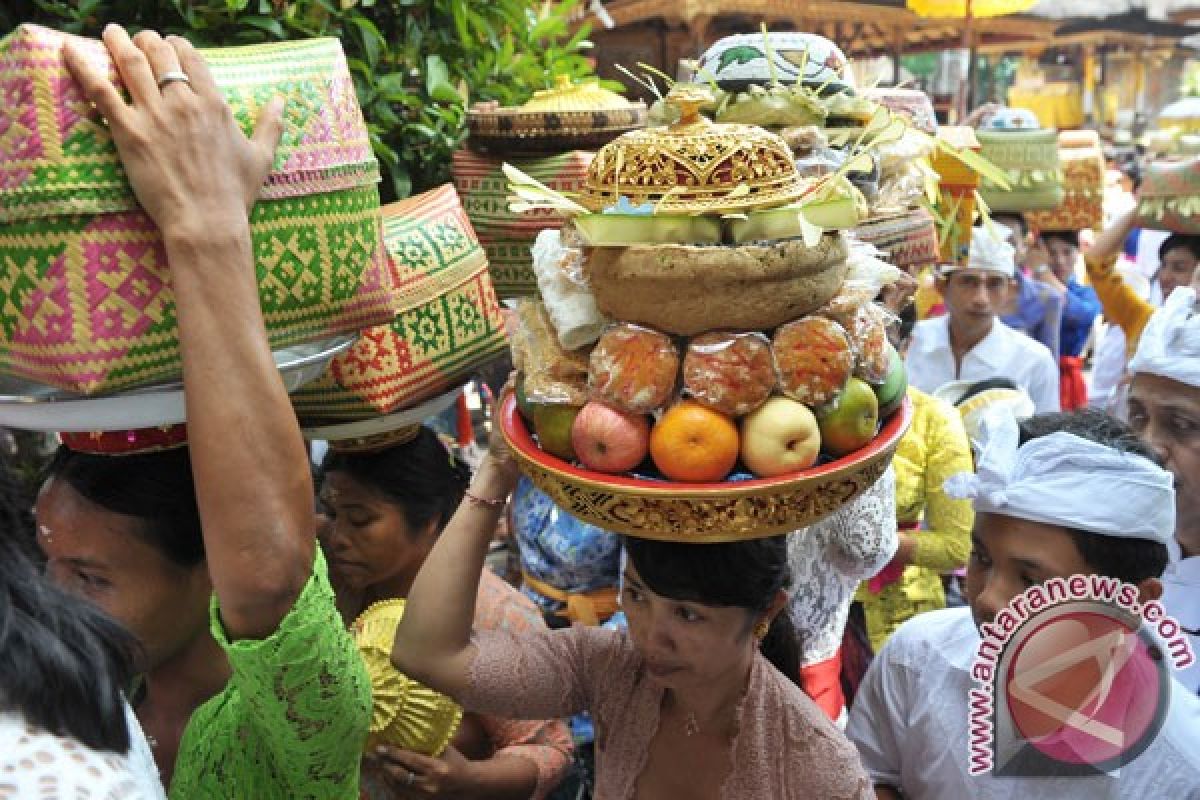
point(761, 629)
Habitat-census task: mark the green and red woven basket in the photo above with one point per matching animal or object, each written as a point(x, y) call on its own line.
point(508, 236)
point(85, 297)
point(448, 321)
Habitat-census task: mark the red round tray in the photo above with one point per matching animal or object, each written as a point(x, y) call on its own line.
point(702, 512)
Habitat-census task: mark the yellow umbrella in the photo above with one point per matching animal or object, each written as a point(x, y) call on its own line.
point(968, 10)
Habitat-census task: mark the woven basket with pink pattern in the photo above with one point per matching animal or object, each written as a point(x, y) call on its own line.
point(85, 300)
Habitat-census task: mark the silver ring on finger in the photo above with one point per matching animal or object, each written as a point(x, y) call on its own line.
point(173, 76)
point(411, 779)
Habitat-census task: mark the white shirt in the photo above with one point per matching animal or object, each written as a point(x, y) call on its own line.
point(829, 560)
point(910, 724)
point(38, 764)
point(1003, 353)
point(1181, 597)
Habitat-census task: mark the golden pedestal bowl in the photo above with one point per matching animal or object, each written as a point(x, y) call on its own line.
point(702, 513)
point(404, 714)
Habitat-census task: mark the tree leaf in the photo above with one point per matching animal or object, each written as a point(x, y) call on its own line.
point(266, 24)
point(372, 39)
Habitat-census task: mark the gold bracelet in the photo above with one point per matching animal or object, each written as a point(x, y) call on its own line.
point(485, 502)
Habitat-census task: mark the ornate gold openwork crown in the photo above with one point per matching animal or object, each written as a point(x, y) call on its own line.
point(694, 166)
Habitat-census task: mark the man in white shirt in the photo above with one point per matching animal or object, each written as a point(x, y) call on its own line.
point(1164, 409)
point(1055, 495)
point(970, 342)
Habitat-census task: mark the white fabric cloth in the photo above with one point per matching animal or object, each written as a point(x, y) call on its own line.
point(910, 724)
point(990, 251)
point(1108, 367)
point(37, 764)
point(829, 560)
point(1016, 401)
point(1170, 344)
point(1181, 597)
point(1146, 257)
point(1003, 353)
point(1066, 480)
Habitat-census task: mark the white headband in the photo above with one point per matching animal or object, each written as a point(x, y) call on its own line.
point(990, 251)
point(1170, 344)
point(1064, 480)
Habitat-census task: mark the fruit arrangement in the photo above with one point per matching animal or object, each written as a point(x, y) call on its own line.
point(734, 348)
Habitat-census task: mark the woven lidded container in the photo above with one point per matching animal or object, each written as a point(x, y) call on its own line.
point(1030, 157)
point(507, 236)
point(913, 104)
point(909, 240)
point(447, 323)
point(1083, 170)
point(568, 116)
point(1170, 196)
point(695, 166)
point(85, 304)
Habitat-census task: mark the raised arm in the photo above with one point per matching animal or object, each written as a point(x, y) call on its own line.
point(433, 641)
point(1121, 305)
point(1112, 239)
point(197, 176)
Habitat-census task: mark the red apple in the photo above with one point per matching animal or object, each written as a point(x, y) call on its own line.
point(608, 440)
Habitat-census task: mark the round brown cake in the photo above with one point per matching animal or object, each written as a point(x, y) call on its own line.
point(690, 289)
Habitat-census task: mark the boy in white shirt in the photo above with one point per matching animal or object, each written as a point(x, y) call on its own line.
point(1058, 495)
point(970, 342)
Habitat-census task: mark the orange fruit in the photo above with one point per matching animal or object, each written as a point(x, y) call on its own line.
point(694, 443)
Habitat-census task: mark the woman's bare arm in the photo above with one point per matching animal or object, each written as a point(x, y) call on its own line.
point(433, 642)
point(197, 176)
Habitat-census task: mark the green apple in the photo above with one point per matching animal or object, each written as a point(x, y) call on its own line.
point(552, 423)
point(849, 422)
point(780, 437)
point(524, 405)
point(891, 392)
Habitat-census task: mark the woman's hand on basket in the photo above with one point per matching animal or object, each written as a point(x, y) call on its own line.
point(192, 168)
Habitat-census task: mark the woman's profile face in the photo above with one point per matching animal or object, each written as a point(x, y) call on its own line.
point(370, 540)
point(105, 558)
point(685, 644)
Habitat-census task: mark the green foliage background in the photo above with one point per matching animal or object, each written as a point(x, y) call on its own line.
point(417, 64)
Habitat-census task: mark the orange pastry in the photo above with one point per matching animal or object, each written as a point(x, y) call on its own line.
point(867, 327)
point(814, 359)
point(730, 372)
point(633, 368)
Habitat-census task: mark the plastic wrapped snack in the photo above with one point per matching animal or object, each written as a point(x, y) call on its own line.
point(552, 374)
point(633, 368)
point(569, 302)
point(814, 360)
point(867, 327)
point(730, 372)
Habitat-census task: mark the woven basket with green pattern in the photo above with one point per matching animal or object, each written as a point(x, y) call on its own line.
point(506, 235)
point(85, 303)
point(448, 322)
point(1031, 160)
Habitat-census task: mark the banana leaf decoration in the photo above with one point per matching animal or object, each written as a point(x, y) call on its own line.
point(530, 194)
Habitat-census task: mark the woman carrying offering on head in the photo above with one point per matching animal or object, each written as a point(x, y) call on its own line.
point(389, 505)
point(251, 685)
point(696, 700)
